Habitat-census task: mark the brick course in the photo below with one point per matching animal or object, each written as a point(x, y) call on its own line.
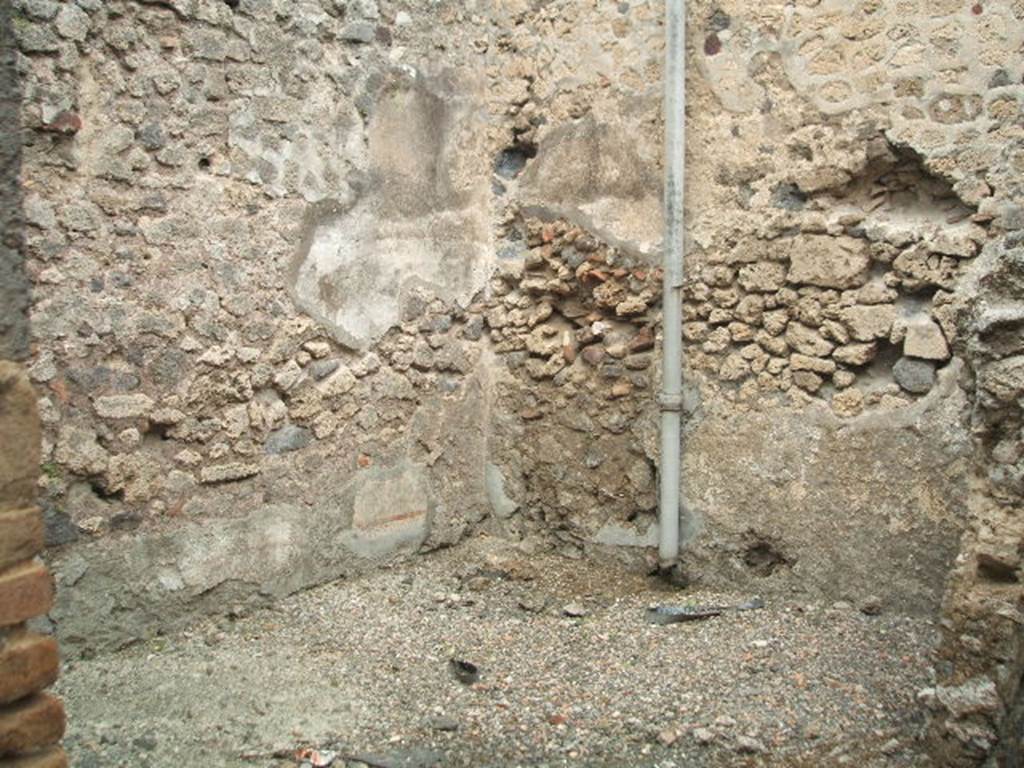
point(21, 535)
point(26, 591)
point(29, 662)
point(31, 724)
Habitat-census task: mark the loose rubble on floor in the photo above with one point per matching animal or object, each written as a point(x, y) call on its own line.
point(570, 672)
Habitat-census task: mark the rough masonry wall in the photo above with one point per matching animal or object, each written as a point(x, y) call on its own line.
point(942, 83)
point(31, 721)
point(254, 231)
point(825, 415)
point(853, 311)
point(320, 281)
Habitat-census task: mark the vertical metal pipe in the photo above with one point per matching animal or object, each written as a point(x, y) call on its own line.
point(672, 301)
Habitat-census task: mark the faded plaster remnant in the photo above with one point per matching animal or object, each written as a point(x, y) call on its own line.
point(501, 504)
point(597, 176)
point(392, 510)
point(417, 223)
point(613, 535)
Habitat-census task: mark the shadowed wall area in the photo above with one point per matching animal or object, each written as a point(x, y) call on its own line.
point(31, 722)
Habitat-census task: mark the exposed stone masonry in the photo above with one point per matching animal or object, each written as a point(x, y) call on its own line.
point(574, 322)
point(320, 282)
point(842, 293)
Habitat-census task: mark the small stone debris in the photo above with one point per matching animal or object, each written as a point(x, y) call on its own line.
point(891, 747)
point(871, 606)
point(748, 745)
point(314, 758)
point(675, 614)
point(669, 614)
point(574, 611)
point(703, 736)
point(464, 671)
point(668, 737)
point(443, 724)
point(533, 602)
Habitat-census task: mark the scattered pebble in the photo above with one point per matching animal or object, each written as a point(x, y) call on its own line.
point(533, 602)
point(442, 723)
point(747, 745)
point(574, 611)
point(871, 606)
point(668, 737)
point(703, 736)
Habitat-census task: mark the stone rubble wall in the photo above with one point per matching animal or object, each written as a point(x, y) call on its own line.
point(31, 720)
point(326, 281)
point(849, 167)
point(826, 249)
point(205, 182)
point(978, 708)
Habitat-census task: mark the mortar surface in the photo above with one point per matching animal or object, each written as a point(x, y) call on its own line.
point(361, 668)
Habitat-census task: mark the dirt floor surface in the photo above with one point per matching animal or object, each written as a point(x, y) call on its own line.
point(359, 673)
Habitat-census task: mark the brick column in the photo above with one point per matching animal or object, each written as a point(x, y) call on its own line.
point(31, 721)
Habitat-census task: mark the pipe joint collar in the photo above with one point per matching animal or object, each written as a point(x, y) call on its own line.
point(670, 402)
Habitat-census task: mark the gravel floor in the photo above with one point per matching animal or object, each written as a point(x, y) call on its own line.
point(361, 669)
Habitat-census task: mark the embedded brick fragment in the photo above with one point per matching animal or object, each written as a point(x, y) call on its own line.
point(28, 663)
point(26, 591)
point(22, 535)
point(31, 724)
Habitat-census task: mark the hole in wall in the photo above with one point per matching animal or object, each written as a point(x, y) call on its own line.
point(920, 297)
point(991, 569)
point(513, 159)
point(232, 4)
point(204, 163)
point(99, 488)
point(879, 371)
point(789, 197)
point(158, 432)
point(763, 558)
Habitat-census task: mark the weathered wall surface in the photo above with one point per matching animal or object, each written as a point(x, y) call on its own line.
point(317, 282)
point(254, 232)
point(826, 419)
point(31, 721)
point(852, 317)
